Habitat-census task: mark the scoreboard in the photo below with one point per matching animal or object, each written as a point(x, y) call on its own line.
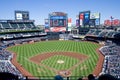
point(84, 18)
point(58, 21)
point(21, 15)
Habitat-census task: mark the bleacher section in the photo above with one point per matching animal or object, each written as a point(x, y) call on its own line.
point(12, 24)
point(5, 25)
point(112, 60)
point(1, 26)
point(5, 64)
point(21, 26)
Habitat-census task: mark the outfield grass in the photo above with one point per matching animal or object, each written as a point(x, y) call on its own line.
point(26, 51)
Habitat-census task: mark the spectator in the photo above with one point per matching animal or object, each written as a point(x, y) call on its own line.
point(8, 76)
point(91, 77)
point(79, 78)
point(58, 77)
point(107, 77)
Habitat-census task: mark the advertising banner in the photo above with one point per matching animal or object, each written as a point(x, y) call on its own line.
point(81, 16)
point(116, 22)
point(94, 15)
point(58, 29)
point(69, 24)
point(69, 28)
point(19, 16)
point(51, 23)
point(107, 22)
point(77, 23)
point(92, 22)
point(86, 19)
point(97, 21)
point(69, 20)
point(81, 22)
point(57, 17)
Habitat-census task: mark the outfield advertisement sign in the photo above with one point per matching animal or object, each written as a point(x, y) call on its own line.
point(94, 15)
point(115, 22)
point(97, 21)
point(86, 18)
point(58, 29)
point(57, 22)
point(19, 16)
point(69, 24)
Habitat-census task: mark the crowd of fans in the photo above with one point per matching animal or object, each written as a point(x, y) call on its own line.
point(111, 64)
point(5, 56)
point(5, 64)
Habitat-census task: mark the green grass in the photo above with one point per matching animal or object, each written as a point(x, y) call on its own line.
point(26, 51)
point(54, 59)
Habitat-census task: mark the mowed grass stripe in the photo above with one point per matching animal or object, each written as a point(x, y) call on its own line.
point(30, 50)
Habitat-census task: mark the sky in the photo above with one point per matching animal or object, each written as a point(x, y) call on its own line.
point(39, 9)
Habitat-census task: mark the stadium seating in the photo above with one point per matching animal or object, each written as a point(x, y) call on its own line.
point(5, 25)
point(14, 25)
point(112, 60)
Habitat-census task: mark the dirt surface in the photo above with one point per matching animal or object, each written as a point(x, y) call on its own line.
point(100, 62)
point(19, 66)
point(38, 58)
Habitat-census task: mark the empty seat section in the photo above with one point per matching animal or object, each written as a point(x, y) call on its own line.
point(28, 25)
point(14, 25)
point(5, 25)
point(21, 25)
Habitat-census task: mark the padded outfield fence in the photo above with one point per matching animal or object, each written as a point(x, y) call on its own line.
point(52, 78)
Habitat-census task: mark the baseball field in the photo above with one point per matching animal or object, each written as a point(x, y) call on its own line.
point(48, 58)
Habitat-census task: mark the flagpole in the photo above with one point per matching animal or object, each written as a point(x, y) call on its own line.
point(111, 22)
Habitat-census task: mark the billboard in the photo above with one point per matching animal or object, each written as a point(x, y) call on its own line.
point(57, 17)
point(107, 23)
point(58, 21)
point(46, 23)
point(92, 22)
point(25, 15)
point(21, 15)
point(69, 24)
point(94, 15)
point(57, 29)
point(81, 19)
point(97, 21)
point(58, 14)
point(77, 23)
point(84, 18)
point(116, 22)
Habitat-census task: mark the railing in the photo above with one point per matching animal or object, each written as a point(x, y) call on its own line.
point(52, 78)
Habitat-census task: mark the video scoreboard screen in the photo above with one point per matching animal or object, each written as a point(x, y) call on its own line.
point(84, 18)
point(21, 15)
point(58, 21)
